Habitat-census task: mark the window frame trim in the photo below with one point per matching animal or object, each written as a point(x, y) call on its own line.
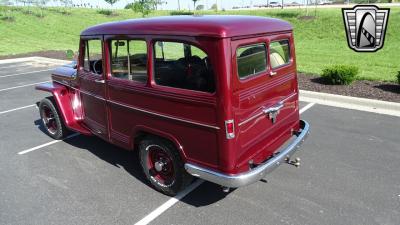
point(290, 54)
point(81, 60)
point(127, 38)
point(267, 66)
point(175, 89)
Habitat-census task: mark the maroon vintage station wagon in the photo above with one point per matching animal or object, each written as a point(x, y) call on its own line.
point(214, 97)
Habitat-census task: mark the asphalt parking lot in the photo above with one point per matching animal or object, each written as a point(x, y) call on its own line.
point(349, 174)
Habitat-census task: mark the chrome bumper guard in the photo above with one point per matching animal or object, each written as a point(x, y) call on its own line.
point(257, 173)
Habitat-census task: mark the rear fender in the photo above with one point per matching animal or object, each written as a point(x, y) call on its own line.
point(147, 130)
point(63, 96)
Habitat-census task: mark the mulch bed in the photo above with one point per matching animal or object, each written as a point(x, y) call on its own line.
point(364, 89)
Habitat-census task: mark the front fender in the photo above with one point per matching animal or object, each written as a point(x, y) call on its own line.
point(62, 96)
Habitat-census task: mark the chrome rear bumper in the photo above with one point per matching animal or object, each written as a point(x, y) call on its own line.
point(256, 173)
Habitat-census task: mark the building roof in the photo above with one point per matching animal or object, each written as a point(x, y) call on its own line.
point(209, 26)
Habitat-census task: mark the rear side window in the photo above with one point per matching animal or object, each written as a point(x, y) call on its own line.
point(251, 60)
point(182, 65)
point(129, 60)
point(279, 53)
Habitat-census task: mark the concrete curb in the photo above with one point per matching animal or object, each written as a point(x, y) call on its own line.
point(362, 104)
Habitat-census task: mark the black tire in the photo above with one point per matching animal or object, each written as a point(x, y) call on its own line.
point(178, 178)
point(54, 126)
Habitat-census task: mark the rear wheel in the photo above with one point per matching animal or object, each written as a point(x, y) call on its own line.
point(51, 119)
point(163, 166)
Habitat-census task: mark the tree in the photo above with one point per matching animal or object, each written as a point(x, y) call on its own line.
point(200, 7)
point(214, 7)
point(194, 4)
point(111, 2)
point(145, 7)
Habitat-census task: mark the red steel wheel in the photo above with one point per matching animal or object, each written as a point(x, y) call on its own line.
point(163, 166)
point(51, 119)
point(160, 165)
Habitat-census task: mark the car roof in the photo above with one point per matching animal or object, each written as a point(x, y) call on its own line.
point(209, 26)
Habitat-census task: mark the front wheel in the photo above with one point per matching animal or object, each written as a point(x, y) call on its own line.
point(163, 166)
point(51, 119)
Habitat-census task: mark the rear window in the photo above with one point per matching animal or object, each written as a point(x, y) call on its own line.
point(251, 60)
point(279, 53)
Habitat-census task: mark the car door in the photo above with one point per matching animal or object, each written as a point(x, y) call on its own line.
point(92, 85)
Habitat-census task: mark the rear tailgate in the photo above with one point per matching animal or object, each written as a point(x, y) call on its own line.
point(265, 96)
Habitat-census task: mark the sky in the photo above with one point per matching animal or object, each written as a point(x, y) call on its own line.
point(185, 4)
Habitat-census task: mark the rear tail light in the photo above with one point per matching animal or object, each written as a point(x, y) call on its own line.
point(230, 129)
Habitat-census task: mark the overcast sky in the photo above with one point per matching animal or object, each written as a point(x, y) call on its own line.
point(185, 4)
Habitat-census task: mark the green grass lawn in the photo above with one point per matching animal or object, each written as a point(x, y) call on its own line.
point(319, 42)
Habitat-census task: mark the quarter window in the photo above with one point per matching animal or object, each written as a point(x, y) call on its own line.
point(279, 53)
point(93, 57)
point(182, 66)
point(251, 60)
point(129, 60)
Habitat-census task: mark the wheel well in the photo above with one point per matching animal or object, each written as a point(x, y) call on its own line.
point(140, 135)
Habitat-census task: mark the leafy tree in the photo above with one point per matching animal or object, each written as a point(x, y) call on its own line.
point(200, 7)
point(111, 2)
point(145, 7)
point(214, 7)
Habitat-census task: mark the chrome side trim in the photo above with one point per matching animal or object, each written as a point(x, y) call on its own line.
point(255, 174)
point(262, 111)
point(164, 116)
point(143, 110)
point(81, 91)
point(92, 95)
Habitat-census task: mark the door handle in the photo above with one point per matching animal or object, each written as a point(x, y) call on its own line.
point(274, 108)
point(273, 111)
point(272, 73)
point(99, 81)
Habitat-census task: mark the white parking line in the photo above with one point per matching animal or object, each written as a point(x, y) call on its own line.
point(308, 106)
point(172, 201)
point(25, 85)
point(17, 74)
point(47, 144)
point(23, 107)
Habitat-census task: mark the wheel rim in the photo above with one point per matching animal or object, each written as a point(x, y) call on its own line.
point(49, 120)
point(160, 166)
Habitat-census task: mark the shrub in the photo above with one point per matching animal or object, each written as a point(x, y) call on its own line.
point(105, 12)
point(398, 77)
point(340, 74)
point(179, 13)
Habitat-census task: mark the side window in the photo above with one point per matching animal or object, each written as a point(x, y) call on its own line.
point(251, 59)
point(279, 53)
point(93, 57)
point(129, 60)
point(182, 66)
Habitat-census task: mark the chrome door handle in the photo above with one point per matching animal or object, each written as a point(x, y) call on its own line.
point(274, 108)
point(273, 111)
point(272, 73)
point(99, 81)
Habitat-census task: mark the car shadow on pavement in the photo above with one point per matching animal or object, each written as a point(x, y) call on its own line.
point(207, 193)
